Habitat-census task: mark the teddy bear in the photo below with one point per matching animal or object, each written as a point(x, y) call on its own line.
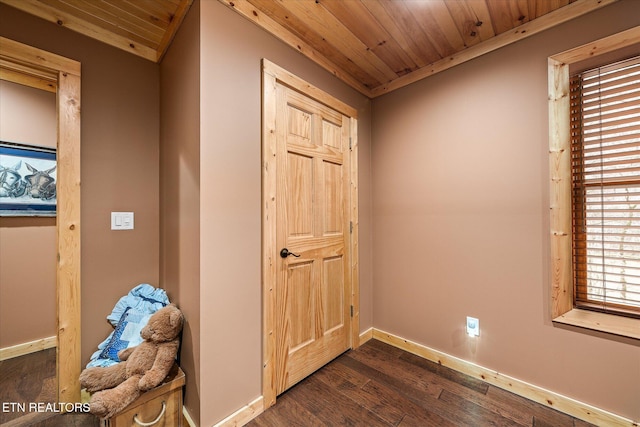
point(142, 367)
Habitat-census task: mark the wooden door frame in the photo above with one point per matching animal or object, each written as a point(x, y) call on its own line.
point(33, 67)
point(271, 75)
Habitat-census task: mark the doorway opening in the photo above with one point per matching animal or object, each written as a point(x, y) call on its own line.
point(36, 68)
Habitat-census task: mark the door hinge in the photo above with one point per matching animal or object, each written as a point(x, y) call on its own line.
point(350, 143)
point(351, 311)
point(350, 227)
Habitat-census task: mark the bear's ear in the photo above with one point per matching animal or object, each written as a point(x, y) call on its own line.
point(175, 318)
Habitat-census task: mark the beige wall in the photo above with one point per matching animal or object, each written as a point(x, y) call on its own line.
point(211, 191)
point(27, 115)
point(461, 202)
point(120, 164)
point(180, 192)
point(27, 245)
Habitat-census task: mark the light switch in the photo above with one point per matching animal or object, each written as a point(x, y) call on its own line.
point(122, 220)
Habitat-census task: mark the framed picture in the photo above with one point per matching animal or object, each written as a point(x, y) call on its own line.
point(27, 180)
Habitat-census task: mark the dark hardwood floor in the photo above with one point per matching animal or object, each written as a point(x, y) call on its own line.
point(380, 385)
point(374, 385)
point(31, 379)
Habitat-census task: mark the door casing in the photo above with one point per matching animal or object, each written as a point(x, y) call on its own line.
point(272, 74)
point(34, 67)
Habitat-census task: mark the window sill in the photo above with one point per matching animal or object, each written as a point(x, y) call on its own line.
point(609, 323)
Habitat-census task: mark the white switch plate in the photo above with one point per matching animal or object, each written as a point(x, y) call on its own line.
point(473, 327)
point(122, 220)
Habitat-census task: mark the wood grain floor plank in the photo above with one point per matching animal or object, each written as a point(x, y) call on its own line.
point(405, 387)
point(448, 373)
point(414, 371)
point(507, 406)
point(336, 374)
point(331, 407)
point(580, 423)
point(393, 378)
point(470, 388)
point(287, 409)
point(481, 416)
point(375, 397)
point(378, 384)
point(416, 413)
point(376, 403)
point(518, 404)
point(29, 379)
point(70, 420)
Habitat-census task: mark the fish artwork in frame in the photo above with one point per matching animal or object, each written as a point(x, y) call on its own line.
point(27, 180)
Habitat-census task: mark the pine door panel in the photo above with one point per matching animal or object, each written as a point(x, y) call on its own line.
point(312, 290)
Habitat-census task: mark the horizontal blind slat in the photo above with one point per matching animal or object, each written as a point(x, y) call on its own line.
point(613, 125)
point(608, 88)
point(612, 99)
point(620, 144)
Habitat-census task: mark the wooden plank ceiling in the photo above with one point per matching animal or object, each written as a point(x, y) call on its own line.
point(142, 27)
point(375, 46)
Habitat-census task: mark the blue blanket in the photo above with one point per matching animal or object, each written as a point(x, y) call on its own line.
point(130, 314)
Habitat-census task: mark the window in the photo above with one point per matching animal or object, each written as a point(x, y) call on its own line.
point(571, 304)
point(605, 160)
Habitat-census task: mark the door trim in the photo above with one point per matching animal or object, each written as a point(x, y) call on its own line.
point(37, 68)
point(271, 75)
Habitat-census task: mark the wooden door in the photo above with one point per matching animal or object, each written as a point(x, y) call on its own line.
point(313, 289)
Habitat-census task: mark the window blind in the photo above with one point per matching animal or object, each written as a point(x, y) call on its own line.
point(605, 149)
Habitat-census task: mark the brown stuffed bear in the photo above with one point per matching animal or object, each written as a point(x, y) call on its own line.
point(142, 368)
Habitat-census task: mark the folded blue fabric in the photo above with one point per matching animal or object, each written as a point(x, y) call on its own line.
point(143, 298)
point(126, 334)
point(131, 314)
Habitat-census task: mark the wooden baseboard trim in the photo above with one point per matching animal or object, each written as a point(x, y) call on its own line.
point(365, 336)
point(244, 414)
point(28, 347)
point(540, 395)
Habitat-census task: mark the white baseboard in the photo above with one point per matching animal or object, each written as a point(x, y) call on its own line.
point(532, 392)
point(28, 347)
point(244, 414)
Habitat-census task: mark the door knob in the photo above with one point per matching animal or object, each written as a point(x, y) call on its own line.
point(285, 253)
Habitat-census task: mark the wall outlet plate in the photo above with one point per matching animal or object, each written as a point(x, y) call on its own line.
point(122, 220)
point(473, 327)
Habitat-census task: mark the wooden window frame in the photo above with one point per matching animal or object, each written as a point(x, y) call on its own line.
point(561, 289)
